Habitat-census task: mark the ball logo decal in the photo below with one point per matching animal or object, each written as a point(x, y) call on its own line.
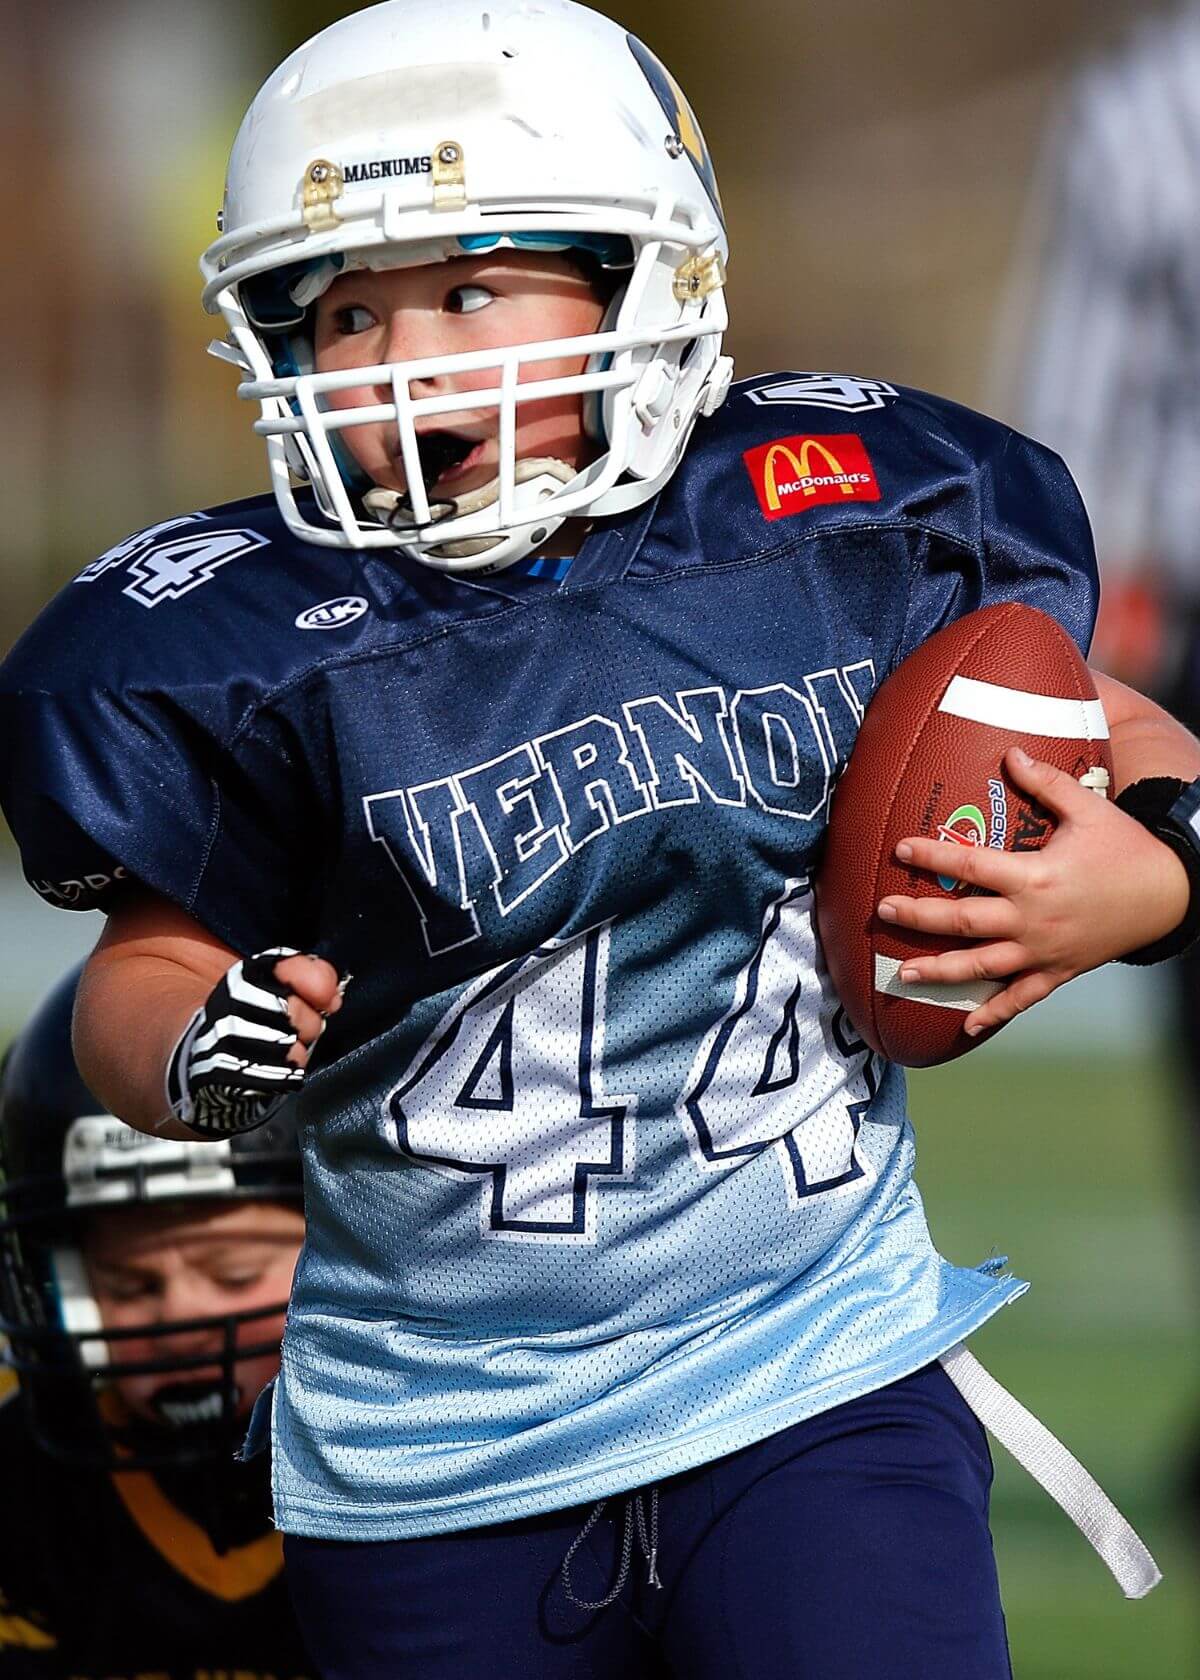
point(969, 827)
point(964, 827)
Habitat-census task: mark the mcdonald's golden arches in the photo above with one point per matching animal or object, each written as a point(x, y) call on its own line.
point(795, 473)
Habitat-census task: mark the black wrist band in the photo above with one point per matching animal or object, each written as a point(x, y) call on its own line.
point(1170, 809)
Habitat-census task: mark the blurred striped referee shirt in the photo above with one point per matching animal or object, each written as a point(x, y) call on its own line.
point(1105, 345)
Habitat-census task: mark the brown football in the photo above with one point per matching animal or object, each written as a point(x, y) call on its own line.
point(927, 761)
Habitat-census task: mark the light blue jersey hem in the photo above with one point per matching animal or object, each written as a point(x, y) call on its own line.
point(329, 1520)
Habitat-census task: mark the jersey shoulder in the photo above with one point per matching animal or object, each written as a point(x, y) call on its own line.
point(789, 454)
point(146, 726)
point(221, 607)
point(190, 601)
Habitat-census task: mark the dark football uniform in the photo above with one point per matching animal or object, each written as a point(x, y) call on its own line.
point(138, 1577)
point(600, 1183)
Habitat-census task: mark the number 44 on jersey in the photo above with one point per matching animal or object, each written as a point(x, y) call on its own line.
point(509, 1088)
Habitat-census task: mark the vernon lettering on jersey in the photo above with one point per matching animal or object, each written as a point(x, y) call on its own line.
point(778, 747)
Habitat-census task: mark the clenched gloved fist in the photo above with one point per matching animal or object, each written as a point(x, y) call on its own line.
point(230, 1071)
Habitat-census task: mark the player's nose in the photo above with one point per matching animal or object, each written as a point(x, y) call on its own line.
point(418, 335)
point(181, 1303)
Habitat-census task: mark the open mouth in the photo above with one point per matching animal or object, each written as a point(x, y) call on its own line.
point(185, 1405)
point(445, 457)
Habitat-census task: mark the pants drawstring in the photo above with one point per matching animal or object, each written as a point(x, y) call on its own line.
point(633, 1514)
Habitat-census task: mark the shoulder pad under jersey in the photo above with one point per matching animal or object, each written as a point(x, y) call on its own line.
point(792, 454)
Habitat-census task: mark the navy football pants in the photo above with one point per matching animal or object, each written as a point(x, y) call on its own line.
point(853, 1546)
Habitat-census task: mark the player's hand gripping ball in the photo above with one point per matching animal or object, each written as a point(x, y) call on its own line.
point(929, 762)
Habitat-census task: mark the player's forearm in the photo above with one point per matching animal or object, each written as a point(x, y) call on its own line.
point(129, 1015)
point(151, 971)
point(1145, 747)
point(1145, 740)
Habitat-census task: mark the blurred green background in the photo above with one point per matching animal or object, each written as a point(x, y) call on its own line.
point(1070, 1162)
point(876, 161)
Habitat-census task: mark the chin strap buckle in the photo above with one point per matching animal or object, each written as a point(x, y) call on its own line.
point(717, 388)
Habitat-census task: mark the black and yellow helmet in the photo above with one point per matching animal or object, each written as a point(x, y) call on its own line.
point(62, 1157)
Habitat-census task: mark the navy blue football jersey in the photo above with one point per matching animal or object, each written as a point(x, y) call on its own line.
point(600, 1181)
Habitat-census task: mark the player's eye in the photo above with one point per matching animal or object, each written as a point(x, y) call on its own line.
point(353, 318)
point(125, 1288)
point(465, 300)
point(237, 1280)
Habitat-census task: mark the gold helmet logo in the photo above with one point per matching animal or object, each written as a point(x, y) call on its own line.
point(684, 127)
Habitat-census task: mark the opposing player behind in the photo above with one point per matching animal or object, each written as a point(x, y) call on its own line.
point(522, 703)
point(142, 1291)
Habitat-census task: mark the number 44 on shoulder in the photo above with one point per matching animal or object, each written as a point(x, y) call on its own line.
point(169, 560)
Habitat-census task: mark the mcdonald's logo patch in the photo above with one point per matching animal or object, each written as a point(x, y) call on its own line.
point(795, 473)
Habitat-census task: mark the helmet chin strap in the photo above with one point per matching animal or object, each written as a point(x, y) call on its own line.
point(535, 479)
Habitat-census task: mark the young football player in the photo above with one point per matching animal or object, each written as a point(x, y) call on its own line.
point(522, 703)
point(142, 1290)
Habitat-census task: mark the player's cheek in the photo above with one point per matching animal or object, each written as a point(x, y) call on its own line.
point(137, 1391)
point(252, 1376)
point(552, 425)
point(367, 444)
point(352, 396)
point(264, 1333)
point(371, 446)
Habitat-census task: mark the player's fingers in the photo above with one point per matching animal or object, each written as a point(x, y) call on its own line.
point(299, 1054)
point(313, 980)
point(1053, 788)
point(307, 1022)
point(977, 866)
point(968, 918)
point(977, 962)
point(1012, 1001)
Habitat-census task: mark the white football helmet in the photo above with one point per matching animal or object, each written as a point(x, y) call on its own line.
point(420, 130)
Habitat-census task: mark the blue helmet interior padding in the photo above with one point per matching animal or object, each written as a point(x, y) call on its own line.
point(270, 306)
point(283, 360)
point(611, 250)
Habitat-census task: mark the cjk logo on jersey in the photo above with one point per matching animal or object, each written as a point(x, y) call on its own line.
point(796, 473)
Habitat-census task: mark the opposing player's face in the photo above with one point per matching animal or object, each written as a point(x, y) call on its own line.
point(368, 319)
point(152, 1267)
